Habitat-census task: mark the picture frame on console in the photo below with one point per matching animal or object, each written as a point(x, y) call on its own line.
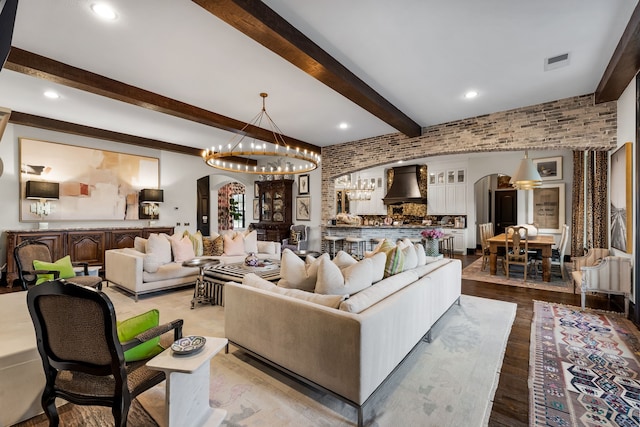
point(303, 208)
point(549, 168)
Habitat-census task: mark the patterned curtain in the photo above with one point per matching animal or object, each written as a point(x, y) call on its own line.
point(589, 201)
point(577, 204)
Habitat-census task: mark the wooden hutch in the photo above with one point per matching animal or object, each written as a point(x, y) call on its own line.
point(275, 208)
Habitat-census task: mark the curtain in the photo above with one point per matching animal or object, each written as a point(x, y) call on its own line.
point(577, 203)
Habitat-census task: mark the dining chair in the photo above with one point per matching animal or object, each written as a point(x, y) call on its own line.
point(516, 248)
point(486, 232)
point(558, 254)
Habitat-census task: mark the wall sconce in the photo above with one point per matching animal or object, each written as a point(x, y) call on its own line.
point(149, 199)
point(42, 191)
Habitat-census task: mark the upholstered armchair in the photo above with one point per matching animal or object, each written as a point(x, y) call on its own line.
point(612, 275)
point(85, 363)
point(298, 238)
point(593, 257)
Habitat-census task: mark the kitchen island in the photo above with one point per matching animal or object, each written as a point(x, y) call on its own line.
point(391, 232)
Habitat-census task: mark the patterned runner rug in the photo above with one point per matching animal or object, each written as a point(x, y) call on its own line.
point(473, 272)
point(583, 368)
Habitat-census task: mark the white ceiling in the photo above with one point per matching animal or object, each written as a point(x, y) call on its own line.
point(421, 55)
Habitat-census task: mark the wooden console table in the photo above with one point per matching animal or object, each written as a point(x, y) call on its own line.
point(82, 244)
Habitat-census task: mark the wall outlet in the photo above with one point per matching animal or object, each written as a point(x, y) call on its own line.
point(186, 224)
point(178, 224)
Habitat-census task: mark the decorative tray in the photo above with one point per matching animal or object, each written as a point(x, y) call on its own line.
point(188, 345)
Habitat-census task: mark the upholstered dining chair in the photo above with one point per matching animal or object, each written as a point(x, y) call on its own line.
point(516, 248)
point(298, 239)
point(83, 359)
point(31, 250)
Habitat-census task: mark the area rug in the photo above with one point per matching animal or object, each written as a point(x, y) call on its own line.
point(583, 368)
point(474, 272)
point(448, 382)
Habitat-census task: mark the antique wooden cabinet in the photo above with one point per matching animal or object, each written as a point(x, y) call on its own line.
point(82, 244)
point(275, 207)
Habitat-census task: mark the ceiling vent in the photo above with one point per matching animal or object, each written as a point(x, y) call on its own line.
point(556, 62)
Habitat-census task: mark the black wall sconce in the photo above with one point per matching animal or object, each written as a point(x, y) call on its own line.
point(149, 199)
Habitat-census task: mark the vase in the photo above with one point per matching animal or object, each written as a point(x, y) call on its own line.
point(252, 260)
point(432, 247)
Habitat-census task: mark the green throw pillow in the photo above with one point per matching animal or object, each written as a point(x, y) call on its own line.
point(130, 328)
point(63, 265)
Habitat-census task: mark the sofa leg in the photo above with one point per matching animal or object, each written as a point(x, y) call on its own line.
point(360, 417)
point(427, 336)
point(458, 301)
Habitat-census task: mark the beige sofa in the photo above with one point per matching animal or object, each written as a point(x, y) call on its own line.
point(348, 354)
point(126, 269)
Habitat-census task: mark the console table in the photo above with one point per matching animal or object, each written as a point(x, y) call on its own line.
point(82, 244)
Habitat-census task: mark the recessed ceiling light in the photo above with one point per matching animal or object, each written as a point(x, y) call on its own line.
point(400, 162)
point(104, 11)
point(343, 125)
point(51, 94)
point(471, 94)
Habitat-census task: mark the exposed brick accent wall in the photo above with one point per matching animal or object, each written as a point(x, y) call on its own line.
point(572, 123)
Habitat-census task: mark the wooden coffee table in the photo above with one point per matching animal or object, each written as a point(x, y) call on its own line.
point(220, 274)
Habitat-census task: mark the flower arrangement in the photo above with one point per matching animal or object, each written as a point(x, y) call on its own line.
point(432, 233)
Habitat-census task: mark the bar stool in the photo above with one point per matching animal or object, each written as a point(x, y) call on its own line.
point(360, 244)
point(446, 245)
point(332, 243)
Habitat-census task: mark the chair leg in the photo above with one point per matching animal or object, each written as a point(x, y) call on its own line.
point(49, 406)
point(583, 299)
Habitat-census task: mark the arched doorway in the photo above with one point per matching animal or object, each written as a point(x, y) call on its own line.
point(496, 202)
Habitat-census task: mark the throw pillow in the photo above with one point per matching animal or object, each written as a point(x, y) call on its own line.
point(140, 244)
point(422, 255)
point(378, 262)
point(294, 237)
point(150, 263)
point(410, 256)
point(130, 328)
point(212, 246)
point(159, 246)
point(63, 265)
point(298, 274)
point(395, 262)
point(268, 248)
point(251, 242)
point(343, 259)
point(334, 281)
point(233, 246)
point(375, 250)
point(196, 242)
point(182, 249)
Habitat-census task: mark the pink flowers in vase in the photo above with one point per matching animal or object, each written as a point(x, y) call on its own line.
point(432, 233)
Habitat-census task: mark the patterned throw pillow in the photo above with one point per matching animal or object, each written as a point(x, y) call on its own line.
point(294, 237)
point(212, 246)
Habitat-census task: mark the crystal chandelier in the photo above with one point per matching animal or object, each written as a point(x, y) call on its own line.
point(274, 158)
point(360, 190)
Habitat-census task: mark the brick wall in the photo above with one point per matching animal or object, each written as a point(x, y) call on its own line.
point(572, 123)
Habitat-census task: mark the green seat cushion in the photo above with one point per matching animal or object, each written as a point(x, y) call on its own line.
point(130, 328)
point(63, 265)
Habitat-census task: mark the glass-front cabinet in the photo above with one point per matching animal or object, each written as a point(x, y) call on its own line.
point(275, 208)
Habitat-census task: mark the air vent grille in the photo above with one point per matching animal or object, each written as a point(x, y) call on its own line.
point(557, 61)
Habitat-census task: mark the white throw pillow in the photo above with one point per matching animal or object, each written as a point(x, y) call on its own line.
point(422, 255)
point(182, 249)
point(140, 244)
point(334, 281)
point(343, 259)
point(332, 301)
point(233, 246)
point(268, 248)
point(298, 274)
point(159, 246)
point(150, 263)
point(410, 257)
point(251, 242)
point(378, 262)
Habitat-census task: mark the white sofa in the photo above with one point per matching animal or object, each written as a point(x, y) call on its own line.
point(346, 353)
point(125, 268)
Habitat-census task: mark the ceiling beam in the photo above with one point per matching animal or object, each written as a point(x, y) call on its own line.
point(40, 122)
point(256, 20)
point(39, 66)
point(624, 63)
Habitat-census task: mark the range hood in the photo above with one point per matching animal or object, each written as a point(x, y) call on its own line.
point(405, 187)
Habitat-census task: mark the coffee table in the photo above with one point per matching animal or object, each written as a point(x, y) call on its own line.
point(220, 274)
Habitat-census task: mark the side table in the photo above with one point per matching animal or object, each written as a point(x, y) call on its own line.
point(203, 288)
point(187, 386)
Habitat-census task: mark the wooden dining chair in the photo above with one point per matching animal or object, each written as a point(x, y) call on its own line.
point(516, 249)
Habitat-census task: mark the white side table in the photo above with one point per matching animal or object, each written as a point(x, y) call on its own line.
point(187, 392)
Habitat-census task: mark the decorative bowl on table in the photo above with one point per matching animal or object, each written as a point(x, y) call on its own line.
point(188, 345)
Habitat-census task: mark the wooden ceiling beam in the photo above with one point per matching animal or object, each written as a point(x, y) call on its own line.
point(48, 69)
point(256, 20)
point(624, 63)
point(40, 122)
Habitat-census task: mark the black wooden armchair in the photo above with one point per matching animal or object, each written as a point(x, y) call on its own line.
point(29, 250)
point(82, 357)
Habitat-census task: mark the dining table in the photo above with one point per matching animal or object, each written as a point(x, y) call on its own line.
point(541, 241)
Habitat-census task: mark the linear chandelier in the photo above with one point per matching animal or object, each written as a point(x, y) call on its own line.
point(274, 158)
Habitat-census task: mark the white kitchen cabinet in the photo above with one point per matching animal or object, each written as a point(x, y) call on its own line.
point(459, 239)
point(449, 195)
point(436, 200)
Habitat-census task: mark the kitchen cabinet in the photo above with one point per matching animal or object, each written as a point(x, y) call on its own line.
point(459, 239)
point(448, 193)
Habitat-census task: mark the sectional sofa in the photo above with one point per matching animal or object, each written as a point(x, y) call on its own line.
point(346, 346)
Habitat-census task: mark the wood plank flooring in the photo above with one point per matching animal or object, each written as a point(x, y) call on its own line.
point(511, 403)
